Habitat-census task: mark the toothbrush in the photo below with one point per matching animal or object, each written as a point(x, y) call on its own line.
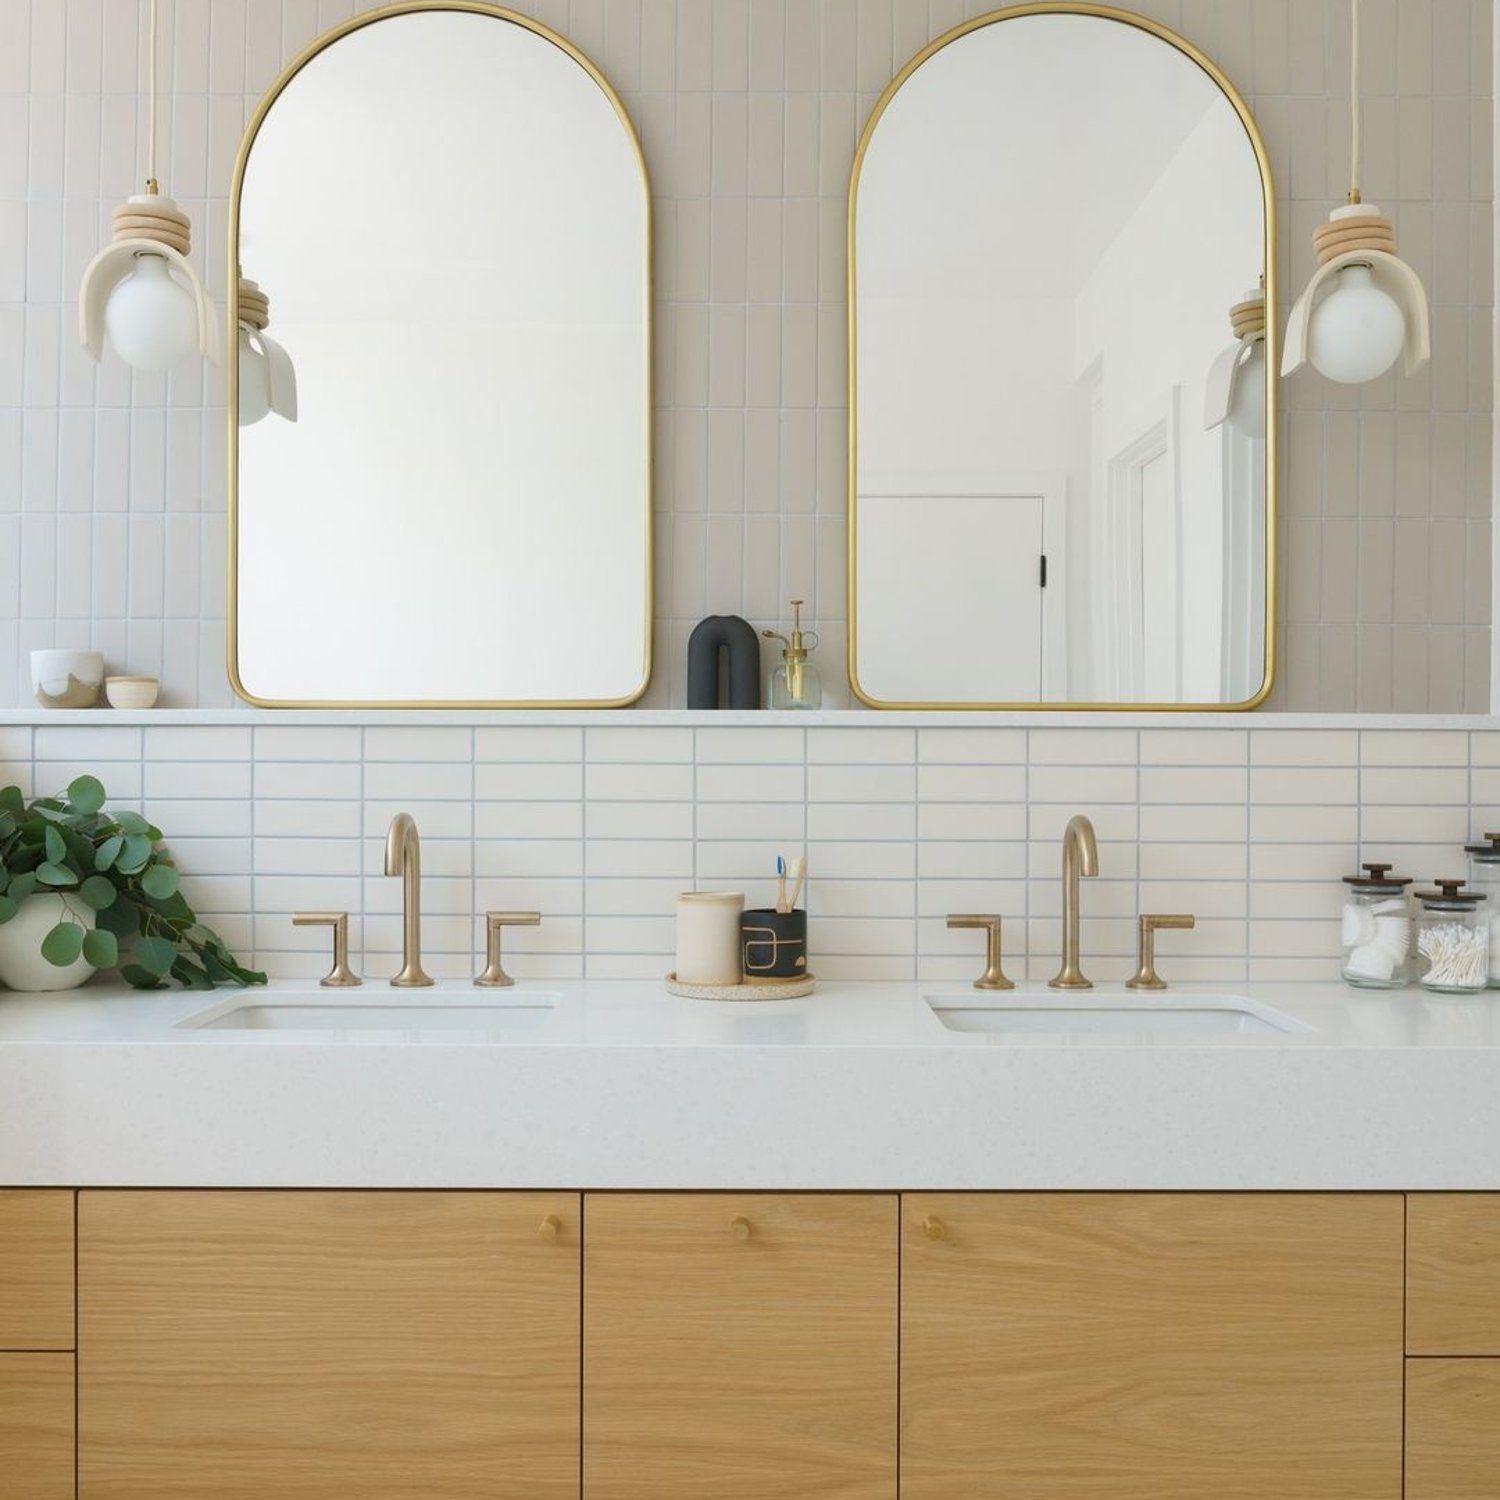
point(799, 873)
point(781, 905)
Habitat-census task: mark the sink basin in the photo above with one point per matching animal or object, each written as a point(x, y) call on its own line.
point(1128, 1017)
point(442, 1017)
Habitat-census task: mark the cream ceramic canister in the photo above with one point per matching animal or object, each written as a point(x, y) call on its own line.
point(67, 679)
point(22, 966)
point(708, 937)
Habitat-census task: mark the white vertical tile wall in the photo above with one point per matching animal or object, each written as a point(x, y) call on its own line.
point(112, 488)
point(1249, 828)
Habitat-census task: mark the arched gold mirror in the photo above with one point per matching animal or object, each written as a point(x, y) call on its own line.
point(439, 439)
point(1062, 330)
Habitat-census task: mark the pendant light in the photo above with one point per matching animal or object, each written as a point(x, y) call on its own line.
point(268, 382)
point(1235, 390)
point(1364, 307)
point(140, 291)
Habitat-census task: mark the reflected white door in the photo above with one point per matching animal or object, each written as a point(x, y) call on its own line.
point(967, 572)
point(1160, 650)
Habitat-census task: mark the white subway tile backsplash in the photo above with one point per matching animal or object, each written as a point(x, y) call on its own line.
point(900, 827)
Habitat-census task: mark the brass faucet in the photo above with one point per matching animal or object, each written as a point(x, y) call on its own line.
point(1080, 856)
point(403, 857)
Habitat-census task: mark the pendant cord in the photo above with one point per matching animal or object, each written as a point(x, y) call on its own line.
point(1354, 101)
point(151, 184)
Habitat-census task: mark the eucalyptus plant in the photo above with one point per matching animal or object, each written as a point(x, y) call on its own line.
point(113, 865)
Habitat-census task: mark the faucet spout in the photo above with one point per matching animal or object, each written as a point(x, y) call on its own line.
point(1080, 856)
point(403, 857)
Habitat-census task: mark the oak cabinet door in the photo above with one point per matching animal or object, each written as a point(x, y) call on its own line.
point(740, 1346)
point(1151, 1346)
point(36, 1426)
point(1452, 1429)
point(328, 1345)
point(36, 1268)
point(1453, 1273)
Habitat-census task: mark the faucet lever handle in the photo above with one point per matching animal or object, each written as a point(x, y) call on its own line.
point(993, 977)
point(494, 976)
point(340, 976)
point(1146, 977)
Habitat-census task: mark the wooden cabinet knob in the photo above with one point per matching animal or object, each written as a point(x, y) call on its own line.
point(739, 1227)
point(933, 1228)
point(550, 1227)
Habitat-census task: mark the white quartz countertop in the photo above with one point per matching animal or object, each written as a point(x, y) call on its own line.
point(608, 1084)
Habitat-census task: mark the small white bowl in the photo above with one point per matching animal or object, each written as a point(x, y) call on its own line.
point(67, 679)
point(132, 692)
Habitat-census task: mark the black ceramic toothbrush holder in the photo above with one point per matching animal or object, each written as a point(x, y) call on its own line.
point(773, 944)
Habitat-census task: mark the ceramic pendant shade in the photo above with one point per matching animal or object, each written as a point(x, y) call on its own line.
point(268, 381)
point(140, 294)
point(1235, 390)
point(1364, 307)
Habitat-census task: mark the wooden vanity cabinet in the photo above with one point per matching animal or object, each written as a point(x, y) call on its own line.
point(36, 1343)
point(323, 1345)
point(1151, 1346)
point(740, 1346)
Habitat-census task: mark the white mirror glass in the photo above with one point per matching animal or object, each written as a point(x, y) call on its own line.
point(449, 215)
point(1059, 464)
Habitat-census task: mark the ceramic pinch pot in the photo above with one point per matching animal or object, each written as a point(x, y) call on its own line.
point(22, 966)
point(67, 679)
point(131, 692)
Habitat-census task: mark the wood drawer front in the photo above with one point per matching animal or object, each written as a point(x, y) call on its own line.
point(36, 1268)
point(1452, 1429)
point(1453, 1273)
point(1151, 1346)
point(328, 1345)
point(36, 1427)
point(749, 1365)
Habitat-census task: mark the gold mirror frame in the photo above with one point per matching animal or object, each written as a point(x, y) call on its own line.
point(1273, 358)
point(247, 142)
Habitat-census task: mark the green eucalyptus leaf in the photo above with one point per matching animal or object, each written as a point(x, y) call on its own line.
point(57, 851)
point(8, 909)
point(190, 976)
point(98, 891)
point(21, 886)
point(139, 978)
point(101, 948)
point(12, 800)
point(160, 882)
point(86, 793)
point(63, 944)
point(122, 919)
point(106, 853)
point(56, 875)
point(134, 854)
point(131, 822)
point(155, 955)
point(8, 823)
point(53, 812)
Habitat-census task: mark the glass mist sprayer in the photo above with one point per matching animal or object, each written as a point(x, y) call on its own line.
point(795, 682)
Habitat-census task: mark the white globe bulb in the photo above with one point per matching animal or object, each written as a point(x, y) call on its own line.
point(1357, 330)
point(151, 319)
point(1247, 407)
point(255, 382)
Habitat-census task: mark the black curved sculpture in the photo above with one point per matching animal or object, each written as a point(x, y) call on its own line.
point(736, 638)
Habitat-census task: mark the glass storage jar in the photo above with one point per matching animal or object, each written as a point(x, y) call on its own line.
point(1376, 929)
point(1453, 939)
point(1484, 875)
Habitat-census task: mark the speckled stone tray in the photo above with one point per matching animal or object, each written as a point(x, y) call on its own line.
point(761, 989)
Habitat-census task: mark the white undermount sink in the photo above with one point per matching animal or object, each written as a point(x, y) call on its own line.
point(1094, 1013)
point(409, 1015)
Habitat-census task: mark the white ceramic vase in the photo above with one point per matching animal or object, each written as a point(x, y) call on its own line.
point(22, 966)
